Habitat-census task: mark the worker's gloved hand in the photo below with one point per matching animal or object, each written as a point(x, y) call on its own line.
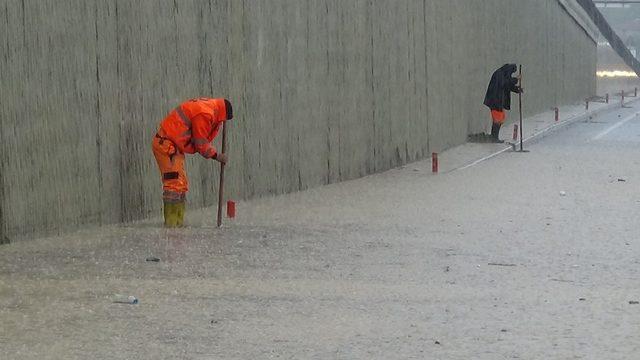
point(221, 158)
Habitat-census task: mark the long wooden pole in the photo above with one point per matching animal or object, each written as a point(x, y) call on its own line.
point(520, 104)
point(221, 187)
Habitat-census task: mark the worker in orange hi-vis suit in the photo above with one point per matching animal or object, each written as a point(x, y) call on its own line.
point(189, 128)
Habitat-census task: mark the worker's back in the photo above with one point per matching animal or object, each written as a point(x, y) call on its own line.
point(177, 126)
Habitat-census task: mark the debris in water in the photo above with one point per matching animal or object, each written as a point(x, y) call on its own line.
point(621, 180)
point(500, 264)
point(633, 302)
point(123, 299)
point(153, 258)
point(582, 299)
point(563, 193)
point(437, 342)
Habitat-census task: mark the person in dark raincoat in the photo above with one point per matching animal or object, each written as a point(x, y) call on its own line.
point(498, 97)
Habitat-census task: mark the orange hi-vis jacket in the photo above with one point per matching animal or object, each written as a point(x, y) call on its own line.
point(194, 124)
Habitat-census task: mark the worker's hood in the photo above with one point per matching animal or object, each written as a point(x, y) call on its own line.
point(508, 69)
point(228, 109)
point(222, 109)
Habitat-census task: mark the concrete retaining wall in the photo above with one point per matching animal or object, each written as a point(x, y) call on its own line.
point(324, 91)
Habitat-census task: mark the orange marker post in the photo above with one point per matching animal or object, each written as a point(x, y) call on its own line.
point(231, 209)
point(434, 163)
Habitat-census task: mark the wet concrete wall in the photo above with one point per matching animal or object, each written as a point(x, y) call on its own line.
point(324, 91)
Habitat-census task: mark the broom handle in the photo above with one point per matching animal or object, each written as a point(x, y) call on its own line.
point(221, 187)
point(520, 103)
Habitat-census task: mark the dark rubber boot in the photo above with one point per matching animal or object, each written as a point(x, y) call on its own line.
point(495, 132)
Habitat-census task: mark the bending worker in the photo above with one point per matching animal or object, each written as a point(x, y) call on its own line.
point(498, 97)
point(189, 128)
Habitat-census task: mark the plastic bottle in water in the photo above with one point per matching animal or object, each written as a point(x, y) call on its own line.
point(124, 299)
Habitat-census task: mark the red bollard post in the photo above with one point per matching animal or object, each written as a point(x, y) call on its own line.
point(557, 111)
point(606, 98)
point(515, 132)
point(231, 209)
point(434, 163)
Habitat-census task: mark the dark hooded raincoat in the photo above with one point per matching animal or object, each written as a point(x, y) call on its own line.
point(502, 83)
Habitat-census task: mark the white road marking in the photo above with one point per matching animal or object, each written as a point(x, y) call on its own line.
point(615, 126)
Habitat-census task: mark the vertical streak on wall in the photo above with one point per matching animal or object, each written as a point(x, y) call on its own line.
point(12, 34)
point(2, 188)
point(548, 59)
point(4, 78)
point(98, 140)
point(129, 32)
point(438, 96)
point(3, 154)
point(237, 92)
point(426, 147)
point(108, 121)
point(212, 78)
point(372, 150)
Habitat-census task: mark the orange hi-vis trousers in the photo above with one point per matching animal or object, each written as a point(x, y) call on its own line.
point(498, 116)
point(171, 163)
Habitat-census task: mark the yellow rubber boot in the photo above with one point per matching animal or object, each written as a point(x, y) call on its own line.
point(174, 214)
point(180, 209)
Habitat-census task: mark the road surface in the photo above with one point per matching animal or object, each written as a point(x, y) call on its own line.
point(523, 256)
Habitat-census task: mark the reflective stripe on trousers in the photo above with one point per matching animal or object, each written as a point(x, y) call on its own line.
point(171, 165)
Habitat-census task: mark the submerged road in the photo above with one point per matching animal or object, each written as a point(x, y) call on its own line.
point(523, 256)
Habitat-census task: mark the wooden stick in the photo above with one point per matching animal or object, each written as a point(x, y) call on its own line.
point(520, 104)
point(221, 187)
